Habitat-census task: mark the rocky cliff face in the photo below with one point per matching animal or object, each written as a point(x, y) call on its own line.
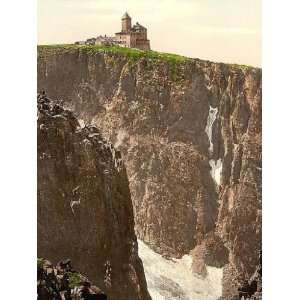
point(84, 206)
point(190, 133)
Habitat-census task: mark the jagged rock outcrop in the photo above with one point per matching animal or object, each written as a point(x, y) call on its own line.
point(191, 146)
point(62, 282)
point(252, 289)
point(211, 251)
point(239, 220)
point(84, 206)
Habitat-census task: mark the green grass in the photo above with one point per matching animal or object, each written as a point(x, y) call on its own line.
point(133, 54)
point(242, 67)
point(129, 52)
point(74, 279)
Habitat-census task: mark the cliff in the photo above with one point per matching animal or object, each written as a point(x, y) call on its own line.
point(84, 205)
point(190, 134)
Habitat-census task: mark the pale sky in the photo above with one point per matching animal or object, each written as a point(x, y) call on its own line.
point(217, 30)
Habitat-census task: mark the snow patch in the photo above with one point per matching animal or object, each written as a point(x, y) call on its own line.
point(212, 115)
point(216, 169)
point(173, 278)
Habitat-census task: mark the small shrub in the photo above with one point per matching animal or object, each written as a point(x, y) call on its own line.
point(74, 279)
point(40, 262)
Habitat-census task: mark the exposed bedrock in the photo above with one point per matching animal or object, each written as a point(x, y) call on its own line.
point(85, 211)
point(191, 145)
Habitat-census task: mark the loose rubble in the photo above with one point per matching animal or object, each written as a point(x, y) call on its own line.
point(62, 282)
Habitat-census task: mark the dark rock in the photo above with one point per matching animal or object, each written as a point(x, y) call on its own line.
point(85, 213)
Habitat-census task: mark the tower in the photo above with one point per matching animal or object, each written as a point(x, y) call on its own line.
point(126, 23)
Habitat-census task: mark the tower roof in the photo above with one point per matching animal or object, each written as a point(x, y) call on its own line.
point(138, 25)
point(126, 16)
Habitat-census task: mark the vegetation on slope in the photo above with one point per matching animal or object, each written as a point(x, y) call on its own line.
point(40, 262)
point(133, 54)
point(74, 279)
point(173, 60)
point(129, 52)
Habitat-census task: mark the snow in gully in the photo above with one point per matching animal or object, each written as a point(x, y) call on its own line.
point(173, 278)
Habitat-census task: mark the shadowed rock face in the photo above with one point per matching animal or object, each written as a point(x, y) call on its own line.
point(192, 148)
point(84, 205)
point(239, 219)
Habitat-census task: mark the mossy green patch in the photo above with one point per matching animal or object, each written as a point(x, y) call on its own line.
point(40, 262)
point(241, 67)
point(74, 279)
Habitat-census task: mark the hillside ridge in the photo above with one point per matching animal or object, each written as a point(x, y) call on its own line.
point(137, 54)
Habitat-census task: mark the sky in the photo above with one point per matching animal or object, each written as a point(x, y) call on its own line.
point(218, 30)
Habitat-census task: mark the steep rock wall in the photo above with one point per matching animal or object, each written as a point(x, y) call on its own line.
point(191, 147)
point(84, 206)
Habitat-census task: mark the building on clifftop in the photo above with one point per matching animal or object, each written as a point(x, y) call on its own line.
point(130, 36)
point(133, 36)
